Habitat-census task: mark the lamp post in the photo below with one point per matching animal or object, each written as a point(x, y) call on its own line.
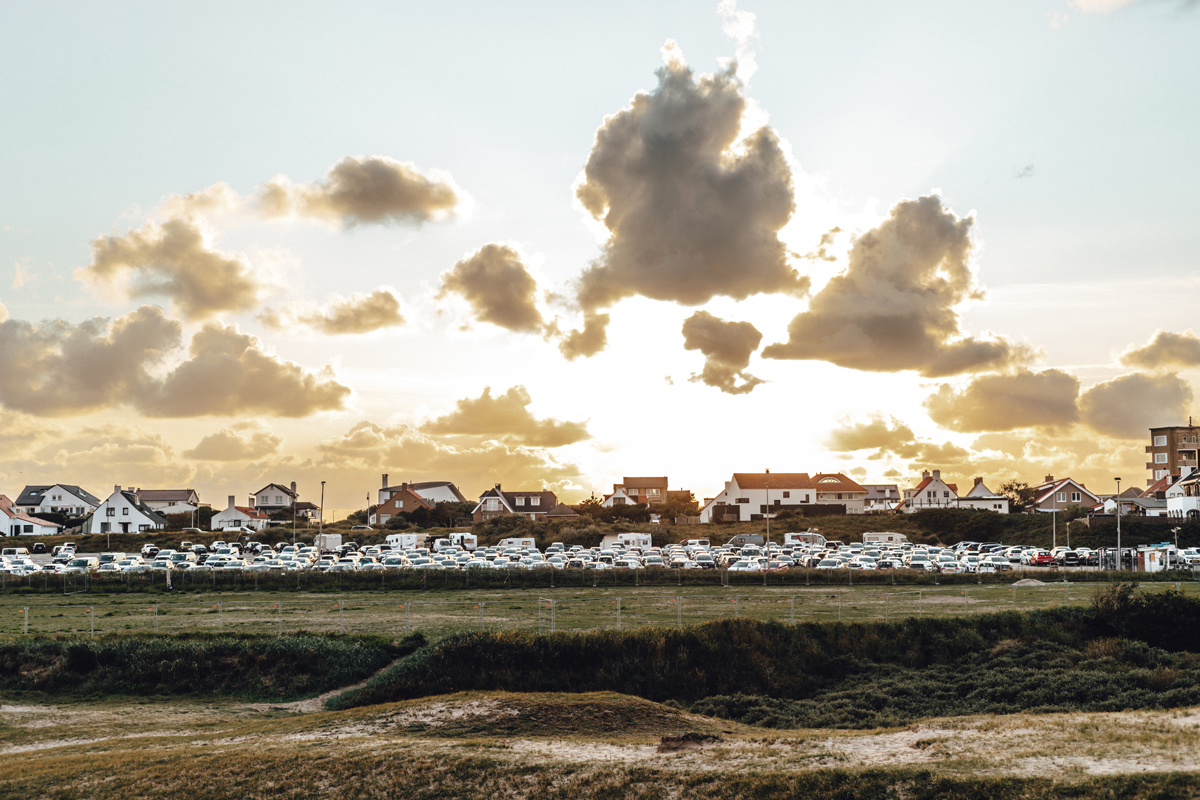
point(1054, 529)
point(321, 521)
point(767, 482)
point(1118, 501)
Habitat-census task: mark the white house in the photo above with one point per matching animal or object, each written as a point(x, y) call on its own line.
point(123, 512)
point(749, 495)
point(931, 492)
point(59, 498)
point(274, 497)
point(834, 488)
point(235, 516)
point(1183, 498)
point(881, 497)
point(1136, 506)
point(618, 498)
point(14, 522)
point(984, 499)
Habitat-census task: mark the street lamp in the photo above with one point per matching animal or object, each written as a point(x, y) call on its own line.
point(1118, 501)
point(321, 521)
point(768, 485)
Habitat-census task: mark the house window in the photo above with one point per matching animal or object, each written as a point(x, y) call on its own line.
point(124, 512)
point(1061, 497)
point(491, 504)
point(278, 500)
point(653, 492)
point(946, 493)
point(520, 501)
point(143, 528)
point(1160, 458)
point(29, 529)
point(104, 526)
point(1075, 497)
point(806, 498)
point(742, 500)
point(619, 501)
point(111, 512)
point(1160, 441)
point(535, 501)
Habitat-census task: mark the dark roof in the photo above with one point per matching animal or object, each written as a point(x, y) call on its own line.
point(561, 510)
point(417, 487)
point(280, 487)
point(165, 495)
point(153, 515)
point(32, 495)
point(304, 505)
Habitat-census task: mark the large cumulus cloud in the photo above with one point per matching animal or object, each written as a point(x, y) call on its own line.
point(58, 368)
point(496, 283)
point(368, 189)
point(692, 211)
point(1023, 399)
point(1128, 406)
point(506, 417)
point(227, 445)
point(355, 314)
point(176, 259)
point(1164, 351)
point(894, 307)
point(727, 347)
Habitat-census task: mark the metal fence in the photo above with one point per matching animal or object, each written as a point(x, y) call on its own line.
point(617, 609)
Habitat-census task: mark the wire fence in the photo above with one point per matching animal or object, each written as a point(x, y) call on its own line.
point(617, 609)
point(388, 580)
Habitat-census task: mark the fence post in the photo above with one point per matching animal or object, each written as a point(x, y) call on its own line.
point(220, 617)
point(792, 601)
point(1066, 592)
point(966, 607)
point(679, 610)
point(618, 613)
point(92, 615)
point(553, 607)
point(839, 608)
point(25, 628)
point(341, 617)
point(1014, 595)
point(156, 617)
point(920, 603)
point(887, 607)
point(737, 606)
point(279, 616)
point(480, 607)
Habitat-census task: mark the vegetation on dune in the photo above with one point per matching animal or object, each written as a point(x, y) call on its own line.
point(1128, 650)
point(230, 665)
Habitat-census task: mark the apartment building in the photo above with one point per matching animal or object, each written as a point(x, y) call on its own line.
point(1172, 451)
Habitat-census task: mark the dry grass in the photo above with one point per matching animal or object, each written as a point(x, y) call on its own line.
point(602, 745)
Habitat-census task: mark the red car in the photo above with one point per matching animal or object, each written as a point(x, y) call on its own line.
point(1041, 559)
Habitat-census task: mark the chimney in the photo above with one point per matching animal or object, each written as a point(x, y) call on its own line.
point(117, 488)
point(293, 488)
point(385, 480)
point(1049, 479)
point(924, 474)
point(232, 499)
point(497, 487)
point(937, 474)
point(979, 480)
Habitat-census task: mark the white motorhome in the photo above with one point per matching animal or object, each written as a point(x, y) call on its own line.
point(402, 541)
point(519, 542)
point(642, 540)
point(884, 537)
point(467, 541)
point(808, 537)
point(697, 544)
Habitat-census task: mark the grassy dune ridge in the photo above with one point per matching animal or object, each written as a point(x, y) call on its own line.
point(231, 665)
point(1128, 650)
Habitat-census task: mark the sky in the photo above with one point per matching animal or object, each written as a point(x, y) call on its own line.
point(552, 245)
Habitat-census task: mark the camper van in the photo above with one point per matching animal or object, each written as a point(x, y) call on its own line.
point(884, 537)
point(641, 540)
point(402, 541)
point(696, 544)
point(467, 541)
point(519, 542)
point(808, 537)
point(747, 538)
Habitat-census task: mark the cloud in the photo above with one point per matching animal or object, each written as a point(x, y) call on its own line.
point(894, 307)
point(229, 374)
point(876, 434)
point(727, 347)
point(3, 313)
point(412, 455)
point(1165, 350)
point(59, 368)
point(1128, 406)
point(227, 445)
point(1024, 172)
point(369, 189)
point(507, 418)
point(175, 259)
point(740, 26)
point(355, 314)
point(692, 211)
point(1003, 402)
point(498, 287)
point(587, 341)
point(220, 198)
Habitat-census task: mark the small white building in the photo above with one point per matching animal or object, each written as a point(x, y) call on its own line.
point(751, 495)
point(170, 501)
point(618, 498)
point(931, 492)
point(1183, 498)
point(14, 522)
point(984, 499)
point(235, 516)
point(881, 497)
point(123, 512)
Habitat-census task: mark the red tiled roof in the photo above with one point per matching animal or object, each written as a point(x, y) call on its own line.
point(253, 513)
point(778, 480)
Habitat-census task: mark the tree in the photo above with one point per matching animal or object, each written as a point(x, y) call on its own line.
point(590, 508)
point(1021, 495)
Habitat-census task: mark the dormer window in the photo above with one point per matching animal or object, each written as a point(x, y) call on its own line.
point(535, 501)
point(520, 501)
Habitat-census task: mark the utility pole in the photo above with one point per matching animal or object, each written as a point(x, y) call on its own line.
point(768, 485)
point(321, 522)
point(1118, 501)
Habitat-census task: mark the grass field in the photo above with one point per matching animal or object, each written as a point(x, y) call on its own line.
point(440, 613)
